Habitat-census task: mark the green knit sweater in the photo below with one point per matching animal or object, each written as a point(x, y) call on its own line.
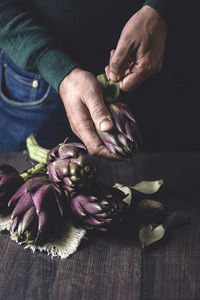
point(51, 37)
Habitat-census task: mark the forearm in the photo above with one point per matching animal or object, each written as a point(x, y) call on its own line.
point(30, 44)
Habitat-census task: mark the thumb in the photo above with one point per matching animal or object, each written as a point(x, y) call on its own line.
point(99, 112)
point(119, 60)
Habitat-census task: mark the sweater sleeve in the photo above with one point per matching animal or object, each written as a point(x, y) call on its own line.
point(30, 44)
point(166, 8)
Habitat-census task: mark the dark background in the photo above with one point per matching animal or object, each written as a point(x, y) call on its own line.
point(166, 106)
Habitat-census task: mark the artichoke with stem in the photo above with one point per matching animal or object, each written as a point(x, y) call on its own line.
point(38, 211)
point(124, 138)
point(10, 182)
point(69, 165)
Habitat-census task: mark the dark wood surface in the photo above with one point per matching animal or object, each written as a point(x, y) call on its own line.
point(113, 266)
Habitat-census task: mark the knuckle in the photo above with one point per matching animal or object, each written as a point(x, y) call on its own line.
point(142, 70)
point(127, 89)
point(145, 69)
point(76, 127)
point(98, 112)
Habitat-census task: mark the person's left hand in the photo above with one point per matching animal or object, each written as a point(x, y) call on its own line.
point(140, 49)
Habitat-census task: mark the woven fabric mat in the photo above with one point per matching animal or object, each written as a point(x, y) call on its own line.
point(64, 246)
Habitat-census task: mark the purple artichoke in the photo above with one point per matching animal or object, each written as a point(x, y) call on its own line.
point(124, 138)
point(10, 181)
point(98, 209)
point(38, 210)
point(70, 167)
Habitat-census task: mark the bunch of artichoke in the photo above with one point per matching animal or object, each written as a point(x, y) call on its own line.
point(10, 181)
point(38, 210)
point(124, 138)
point(98, 208)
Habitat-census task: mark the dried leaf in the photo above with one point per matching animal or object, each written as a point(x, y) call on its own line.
point(148, 187)
point(126, 191)
point(150, 234)
point(176, 219)
point(145, 204)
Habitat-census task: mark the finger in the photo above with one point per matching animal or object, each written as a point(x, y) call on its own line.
point(98, 110)
point(134, 78)
point(119, 60)
point(107, 71)
point(82, 126)
point(127, 69)
point(112, 53)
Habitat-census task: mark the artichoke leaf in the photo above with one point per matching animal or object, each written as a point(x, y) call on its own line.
point(126, 190)
point(148, 187)
point(176, 219)
point(150, 234)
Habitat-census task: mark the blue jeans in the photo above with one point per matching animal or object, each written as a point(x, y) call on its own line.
point(28, 104)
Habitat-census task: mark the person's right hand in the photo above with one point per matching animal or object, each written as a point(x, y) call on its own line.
point(83, 100)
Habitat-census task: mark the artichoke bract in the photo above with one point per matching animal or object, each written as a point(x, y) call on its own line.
point(38, 210)
point(124, 138)
point(99, 207)
point(70, 167)
point(10, 181)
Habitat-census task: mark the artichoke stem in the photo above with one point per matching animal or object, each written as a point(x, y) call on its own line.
point(37, 168)
point(35, 151)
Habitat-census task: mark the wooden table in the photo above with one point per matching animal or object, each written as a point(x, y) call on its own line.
point(114, 266)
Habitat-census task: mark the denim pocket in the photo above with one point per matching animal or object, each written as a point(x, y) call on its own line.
point(22, 89)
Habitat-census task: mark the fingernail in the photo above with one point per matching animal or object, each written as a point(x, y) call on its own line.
point(105, 125)
point(114, 77)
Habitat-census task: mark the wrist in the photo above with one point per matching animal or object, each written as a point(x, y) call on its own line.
point(154, 15)
point(162, 8)
point(69, 78)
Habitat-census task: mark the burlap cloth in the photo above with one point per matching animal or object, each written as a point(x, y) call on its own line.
point(62, 247)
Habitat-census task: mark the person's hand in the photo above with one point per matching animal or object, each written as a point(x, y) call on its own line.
point(140, 49)
point(83, 100)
